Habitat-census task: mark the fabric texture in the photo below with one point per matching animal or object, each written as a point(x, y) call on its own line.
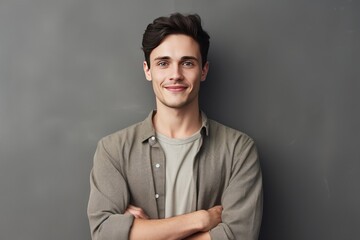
point(180, 189)
point(129, 168)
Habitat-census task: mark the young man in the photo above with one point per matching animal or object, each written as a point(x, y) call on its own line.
point(177, 174)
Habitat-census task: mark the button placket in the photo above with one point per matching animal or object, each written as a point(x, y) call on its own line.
point(157, 159)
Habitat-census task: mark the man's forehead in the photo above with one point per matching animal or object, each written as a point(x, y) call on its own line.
point(176, 46)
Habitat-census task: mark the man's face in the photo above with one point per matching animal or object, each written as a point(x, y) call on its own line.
point(176, 71)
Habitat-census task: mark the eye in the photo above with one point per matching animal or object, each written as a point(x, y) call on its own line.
point(162, 64)
point(188, 63)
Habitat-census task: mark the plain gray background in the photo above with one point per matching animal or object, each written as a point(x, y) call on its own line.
point(285, 72)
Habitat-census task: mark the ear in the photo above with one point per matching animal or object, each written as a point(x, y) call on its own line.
point(204, 71)
point(147, 71)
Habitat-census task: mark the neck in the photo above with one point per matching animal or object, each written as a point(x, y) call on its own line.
point(177, 123)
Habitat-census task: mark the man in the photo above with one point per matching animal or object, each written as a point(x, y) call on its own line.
point(177, 174)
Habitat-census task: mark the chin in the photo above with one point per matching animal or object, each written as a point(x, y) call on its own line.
point(178, 103)
point(176, 106)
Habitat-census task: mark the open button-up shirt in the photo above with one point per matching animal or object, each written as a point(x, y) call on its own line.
point(129, 168)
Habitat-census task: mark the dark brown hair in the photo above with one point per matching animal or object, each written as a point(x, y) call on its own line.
point(176, 23)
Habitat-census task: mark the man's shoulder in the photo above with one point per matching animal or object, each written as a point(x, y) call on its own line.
point(126, 134)
point(220, 127)
point(226, 133)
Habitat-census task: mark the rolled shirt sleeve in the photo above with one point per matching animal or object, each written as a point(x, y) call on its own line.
point(242, 199)
point(109, 198)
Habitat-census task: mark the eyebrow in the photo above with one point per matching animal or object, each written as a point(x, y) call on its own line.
point(190, 58)
point(182, 58)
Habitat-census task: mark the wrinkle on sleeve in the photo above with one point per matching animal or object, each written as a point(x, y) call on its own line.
point(109, 198)
point(242, 200)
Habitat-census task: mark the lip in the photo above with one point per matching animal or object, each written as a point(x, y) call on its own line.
point(175, 88)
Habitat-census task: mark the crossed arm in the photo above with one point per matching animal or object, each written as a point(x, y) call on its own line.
point(191, 226)
point(240, 217)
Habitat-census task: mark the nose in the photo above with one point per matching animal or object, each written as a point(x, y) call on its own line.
point(176, 73)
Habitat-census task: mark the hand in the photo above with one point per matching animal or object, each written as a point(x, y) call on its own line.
point(213, 218)
point(136, 212)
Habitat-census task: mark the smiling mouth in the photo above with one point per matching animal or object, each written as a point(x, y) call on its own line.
point(175, 88)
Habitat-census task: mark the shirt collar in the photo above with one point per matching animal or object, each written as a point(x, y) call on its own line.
point(148, 129)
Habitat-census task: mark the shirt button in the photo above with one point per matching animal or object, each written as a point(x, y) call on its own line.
point(152, 140)
point(156, 196)
point(157, 165)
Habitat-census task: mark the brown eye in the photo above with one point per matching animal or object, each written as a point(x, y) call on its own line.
point(188, 63)
point(162, 64)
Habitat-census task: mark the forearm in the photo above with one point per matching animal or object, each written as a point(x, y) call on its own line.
point(199, 236)
point(178, 227)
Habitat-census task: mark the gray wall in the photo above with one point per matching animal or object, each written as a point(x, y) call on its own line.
point(285, 72)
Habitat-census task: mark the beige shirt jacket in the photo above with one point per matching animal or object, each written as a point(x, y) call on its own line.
point(129, 168)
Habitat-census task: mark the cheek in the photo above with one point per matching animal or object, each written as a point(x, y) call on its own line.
point(158, 76)
point(193, 77)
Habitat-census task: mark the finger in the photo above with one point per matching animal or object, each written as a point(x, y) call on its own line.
point(141, 215)
point(136, 212)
